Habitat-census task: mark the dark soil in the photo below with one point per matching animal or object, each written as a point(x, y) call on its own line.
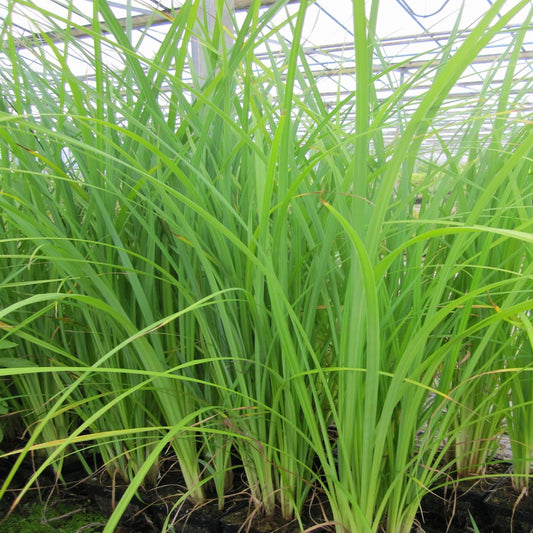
point(94, 497)
point(492, 505)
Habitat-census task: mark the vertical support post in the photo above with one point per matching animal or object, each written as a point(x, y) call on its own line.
point(209, 38)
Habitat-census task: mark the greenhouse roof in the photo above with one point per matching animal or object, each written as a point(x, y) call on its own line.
point(412, 35)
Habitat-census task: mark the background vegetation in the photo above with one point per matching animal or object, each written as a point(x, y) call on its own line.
point(232, 270)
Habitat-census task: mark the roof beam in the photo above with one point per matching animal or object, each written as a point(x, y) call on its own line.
point(415, 65)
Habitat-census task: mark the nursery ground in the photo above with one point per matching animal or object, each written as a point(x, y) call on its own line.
point(83, 504)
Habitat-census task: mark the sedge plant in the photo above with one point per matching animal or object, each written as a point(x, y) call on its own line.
point(223, 265)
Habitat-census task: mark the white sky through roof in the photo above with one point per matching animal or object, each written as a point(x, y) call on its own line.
point(328, 19)
point(327, 22)
point(328, 40)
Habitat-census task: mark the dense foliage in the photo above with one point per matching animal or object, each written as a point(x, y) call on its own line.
point(228, 267)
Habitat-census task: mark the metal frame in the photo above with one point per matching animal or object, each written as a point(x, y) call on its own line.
point(333, 66)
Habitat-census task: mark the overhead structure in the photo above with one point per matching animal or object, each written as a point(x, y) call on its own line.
point(206, 28)
point(147, 19)
point(411, 37)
